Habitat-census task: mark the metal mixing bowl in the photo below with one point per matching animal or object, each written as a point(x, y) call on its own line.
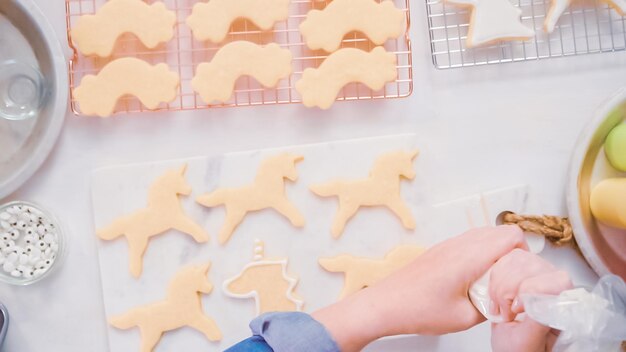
point(26, 144)
point(603, 247)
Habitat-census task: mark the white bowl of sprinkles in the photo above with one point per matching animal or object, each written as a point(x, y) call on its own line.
point(31, 243)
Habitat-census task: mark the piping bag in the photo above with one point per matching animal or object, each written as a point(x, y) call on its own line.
point(589, 321)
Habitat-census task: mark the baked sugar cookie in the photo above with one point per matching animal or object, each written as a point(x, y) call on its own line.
point(96, 34)
point(152, 85)
point(557, 7)
point(211, 21)
point(267, 281)
point(267, 191)
point(163, 213)
point(320, 86)
point(215, 80)
point(181, 307)
point(380, 188)
point(360, 272)
point(492, 21)
point(325, 29)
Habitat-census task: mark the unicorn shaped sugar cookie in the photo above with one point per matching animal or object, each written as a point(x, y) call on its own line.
point(163, 213)
point(181, 307)
point(267, 281)
point(267, 191)
point(380, 188)
point(557, 7)
point(362, 272)
point(492, 21)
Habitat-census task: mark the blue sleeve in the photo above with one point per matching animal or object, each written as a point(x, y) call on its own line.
point(286, 332)
point(251, 344)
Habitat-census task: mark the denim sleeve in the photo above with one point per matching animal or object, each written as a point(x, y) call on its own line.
point(286, 332)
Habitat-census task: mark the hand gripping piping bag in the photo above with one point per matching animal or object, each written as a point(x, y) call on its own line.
point(589, 321)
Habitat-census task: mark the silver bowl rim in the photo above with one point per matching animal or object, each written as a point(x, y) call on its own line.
point(58, 110)
point(5, 326)
point(583, 143)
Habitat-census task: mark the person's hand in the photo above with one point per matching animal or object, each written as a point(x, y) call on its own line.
point(428, 296)
point(517, 273)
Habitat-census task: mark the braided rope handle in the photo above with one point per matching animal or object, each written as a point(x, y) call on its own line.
point(555, 228)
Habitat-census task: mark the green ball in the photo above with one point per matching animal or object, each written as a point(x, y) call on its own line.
point(615, 147)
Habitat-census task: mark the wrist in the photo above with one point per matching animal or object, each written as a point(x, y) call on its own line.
point(355, 321)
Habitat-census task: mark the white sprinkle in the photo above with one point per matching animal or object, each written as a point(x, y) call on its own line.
point(29, 239)
point(35, 253)
point(8, 267)
point(13, 210)
point(16, 273)
point(23, 259)
point(15, 234)
point(5, 216)
point(9, 246)
point(48, 238)
point(54, 247)
point(5, 225)
point(12, 257)
point(41, 229)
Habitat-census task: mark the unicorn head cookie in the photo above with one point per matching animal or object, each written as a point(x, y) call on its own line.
point(267, 281)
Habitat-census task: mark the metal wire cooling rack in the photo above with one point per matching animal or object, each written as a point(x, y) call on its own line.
point(183, 54)
point(585, 28)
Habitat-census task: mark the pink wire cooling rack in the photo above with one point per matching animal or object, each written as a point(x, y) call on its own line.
point(183, 54)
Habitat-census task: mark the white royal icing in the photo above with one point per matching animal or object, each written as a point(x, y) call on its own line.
point(557, 7)
point(254, 294)
point(493, 20)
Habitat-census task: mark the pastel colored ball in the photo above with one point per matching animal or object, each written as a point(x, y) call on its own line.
point(615, 147)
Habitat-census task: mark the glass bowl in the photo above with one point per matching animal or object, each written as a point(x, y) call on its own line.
point(60, 241)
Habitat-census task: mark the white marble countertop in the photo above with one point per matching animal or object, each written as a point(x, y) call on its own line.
point(506, 124)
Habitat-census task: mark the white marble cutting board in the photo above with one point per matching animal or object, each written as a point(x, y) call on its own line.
point(372, 232)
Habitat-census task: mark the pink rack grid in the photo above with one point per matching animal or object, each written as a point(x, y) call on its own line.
point(183, 54)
